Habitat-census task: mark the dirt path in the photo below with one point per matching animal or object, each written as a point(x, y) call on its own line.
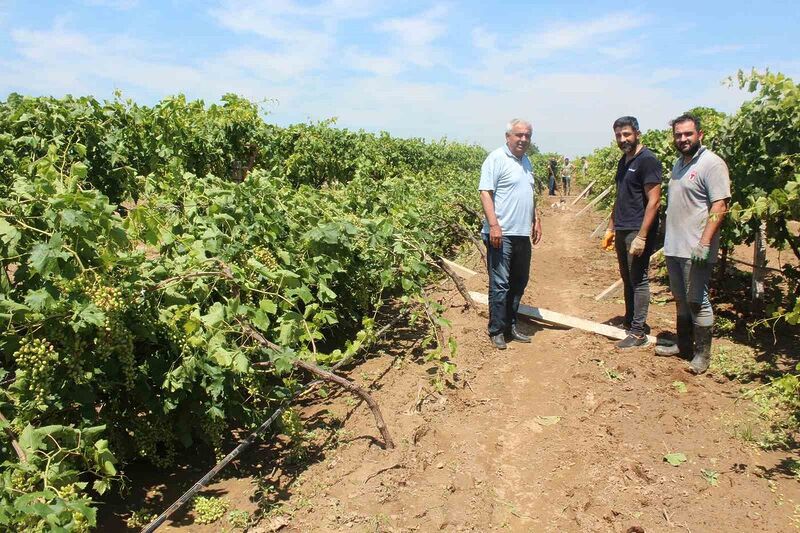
point(564, 434)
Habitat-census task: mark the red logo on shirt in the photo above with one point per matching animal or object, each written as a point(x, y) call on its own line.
point(692, 175)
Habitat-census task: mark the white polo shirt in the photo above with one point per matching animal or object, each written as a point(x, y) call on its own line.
point(693, 187)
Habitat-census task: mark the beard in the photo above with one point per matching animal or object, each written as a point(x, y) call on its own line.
point(627, 146)
point(691, 149)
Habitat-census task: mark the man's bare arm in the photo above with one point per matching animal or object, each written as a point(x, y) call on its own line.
point(495, 233)
point(653, 192)
point(715, 215)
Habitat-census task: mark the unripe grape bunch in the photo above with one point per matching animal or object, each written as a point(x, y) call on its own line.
point(37, 360)
point(209, 510)
point(108, 299)
point(266, 258)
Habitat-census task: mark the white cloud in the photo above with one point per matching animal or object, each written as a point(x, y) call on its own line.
point(720, 49)
point(125, 63)
point(502, 63)
point(580, 34)
point(122, 5)
point(298, 38)
point(412, 44)
point(379, 65)
point(661, 75)
point(571, 113)
point(292, 54)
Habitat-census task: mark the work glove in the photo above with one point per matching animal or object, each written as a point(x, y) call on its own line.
point(607, 243)
point(700, 253)
point(637, 246)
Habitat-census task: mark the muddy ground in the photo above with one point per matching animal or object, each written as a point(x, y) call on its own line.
point(563, 434)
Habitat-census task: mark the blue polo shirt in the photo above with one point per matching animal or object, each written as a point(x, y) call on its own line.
point(511, 182)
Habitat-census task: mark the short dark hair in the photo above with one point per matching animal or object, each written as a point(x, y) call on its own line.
point(627, 120)
point(686, 117)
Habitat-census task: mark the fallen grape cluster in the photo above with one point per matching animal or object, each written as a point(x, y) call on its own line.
point(140, 245)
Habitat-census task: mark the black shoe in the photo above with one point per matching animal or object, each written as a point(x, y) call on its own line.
point(515, 335)
point(632, 341)
point(498, 341)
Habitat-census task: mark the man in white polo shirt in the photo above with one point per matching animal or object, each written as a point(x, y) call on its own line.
point(510, 226)
point(697, 200)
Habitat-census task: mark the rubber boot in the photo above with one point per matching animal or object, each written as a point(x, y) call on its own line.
point(686, 343)
point(702, 350)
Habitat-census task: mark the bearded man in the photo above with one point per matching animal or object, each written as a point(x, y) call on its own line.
point(633, 225)
point(697, 200)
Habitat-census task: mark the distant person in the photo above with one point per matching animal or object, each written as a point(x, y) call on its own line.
point(633, 225)
point(566, 177)
point(697, 200)
point(511, 225)
point(553, 169)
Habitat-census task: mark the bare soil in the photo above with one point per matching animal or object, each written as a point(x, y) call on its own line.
point(563, 434)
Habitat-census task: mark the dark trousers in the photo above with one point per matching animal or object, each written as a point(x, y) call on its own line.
point(689, 284)
point(633, 271)
point(552, 185)
point(509, 268)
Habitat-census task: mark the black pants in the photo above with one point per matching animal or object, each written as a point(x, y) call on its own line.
point(633, 271)
point(509, 268)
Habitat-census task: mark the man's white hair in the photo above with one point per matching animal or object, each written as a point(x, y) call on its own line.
point(515, 121)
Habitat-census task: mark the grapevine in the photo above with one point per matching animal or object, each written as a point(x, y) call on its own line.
point(126, 319)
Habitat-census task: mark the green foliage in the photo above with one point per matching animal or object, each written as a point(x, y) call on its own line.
point(109, 144)
point(761, 145)
point(675, 459)
point(208, 510)
point(127, 328)
point(238, 518)
point(779, 406)
point(140, 518)
point(710, 476)
point(679, 386)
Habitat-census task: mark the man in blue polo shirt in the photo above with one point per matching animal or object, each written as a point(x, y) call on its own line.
point(633, 225)
point(507, 195)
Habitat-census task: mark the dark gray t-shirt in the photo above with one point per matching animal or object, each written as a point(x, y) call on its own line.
point(693, 187)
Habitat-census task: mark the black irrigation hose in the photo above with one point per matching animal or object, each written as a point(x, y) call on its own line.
point(243, 445)
point(186, 496)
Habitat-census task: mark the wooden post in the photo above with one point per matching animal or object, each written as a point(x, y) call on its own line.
point(722, 267)
point(462, 271)
point(552, 317)
point(759, 264)
point(585, 191)
point(597, 199)
point(600, 227)
point(614, 287)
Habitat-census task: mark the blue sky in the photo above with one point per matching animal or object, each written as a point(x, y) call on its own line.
point(416, 68)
